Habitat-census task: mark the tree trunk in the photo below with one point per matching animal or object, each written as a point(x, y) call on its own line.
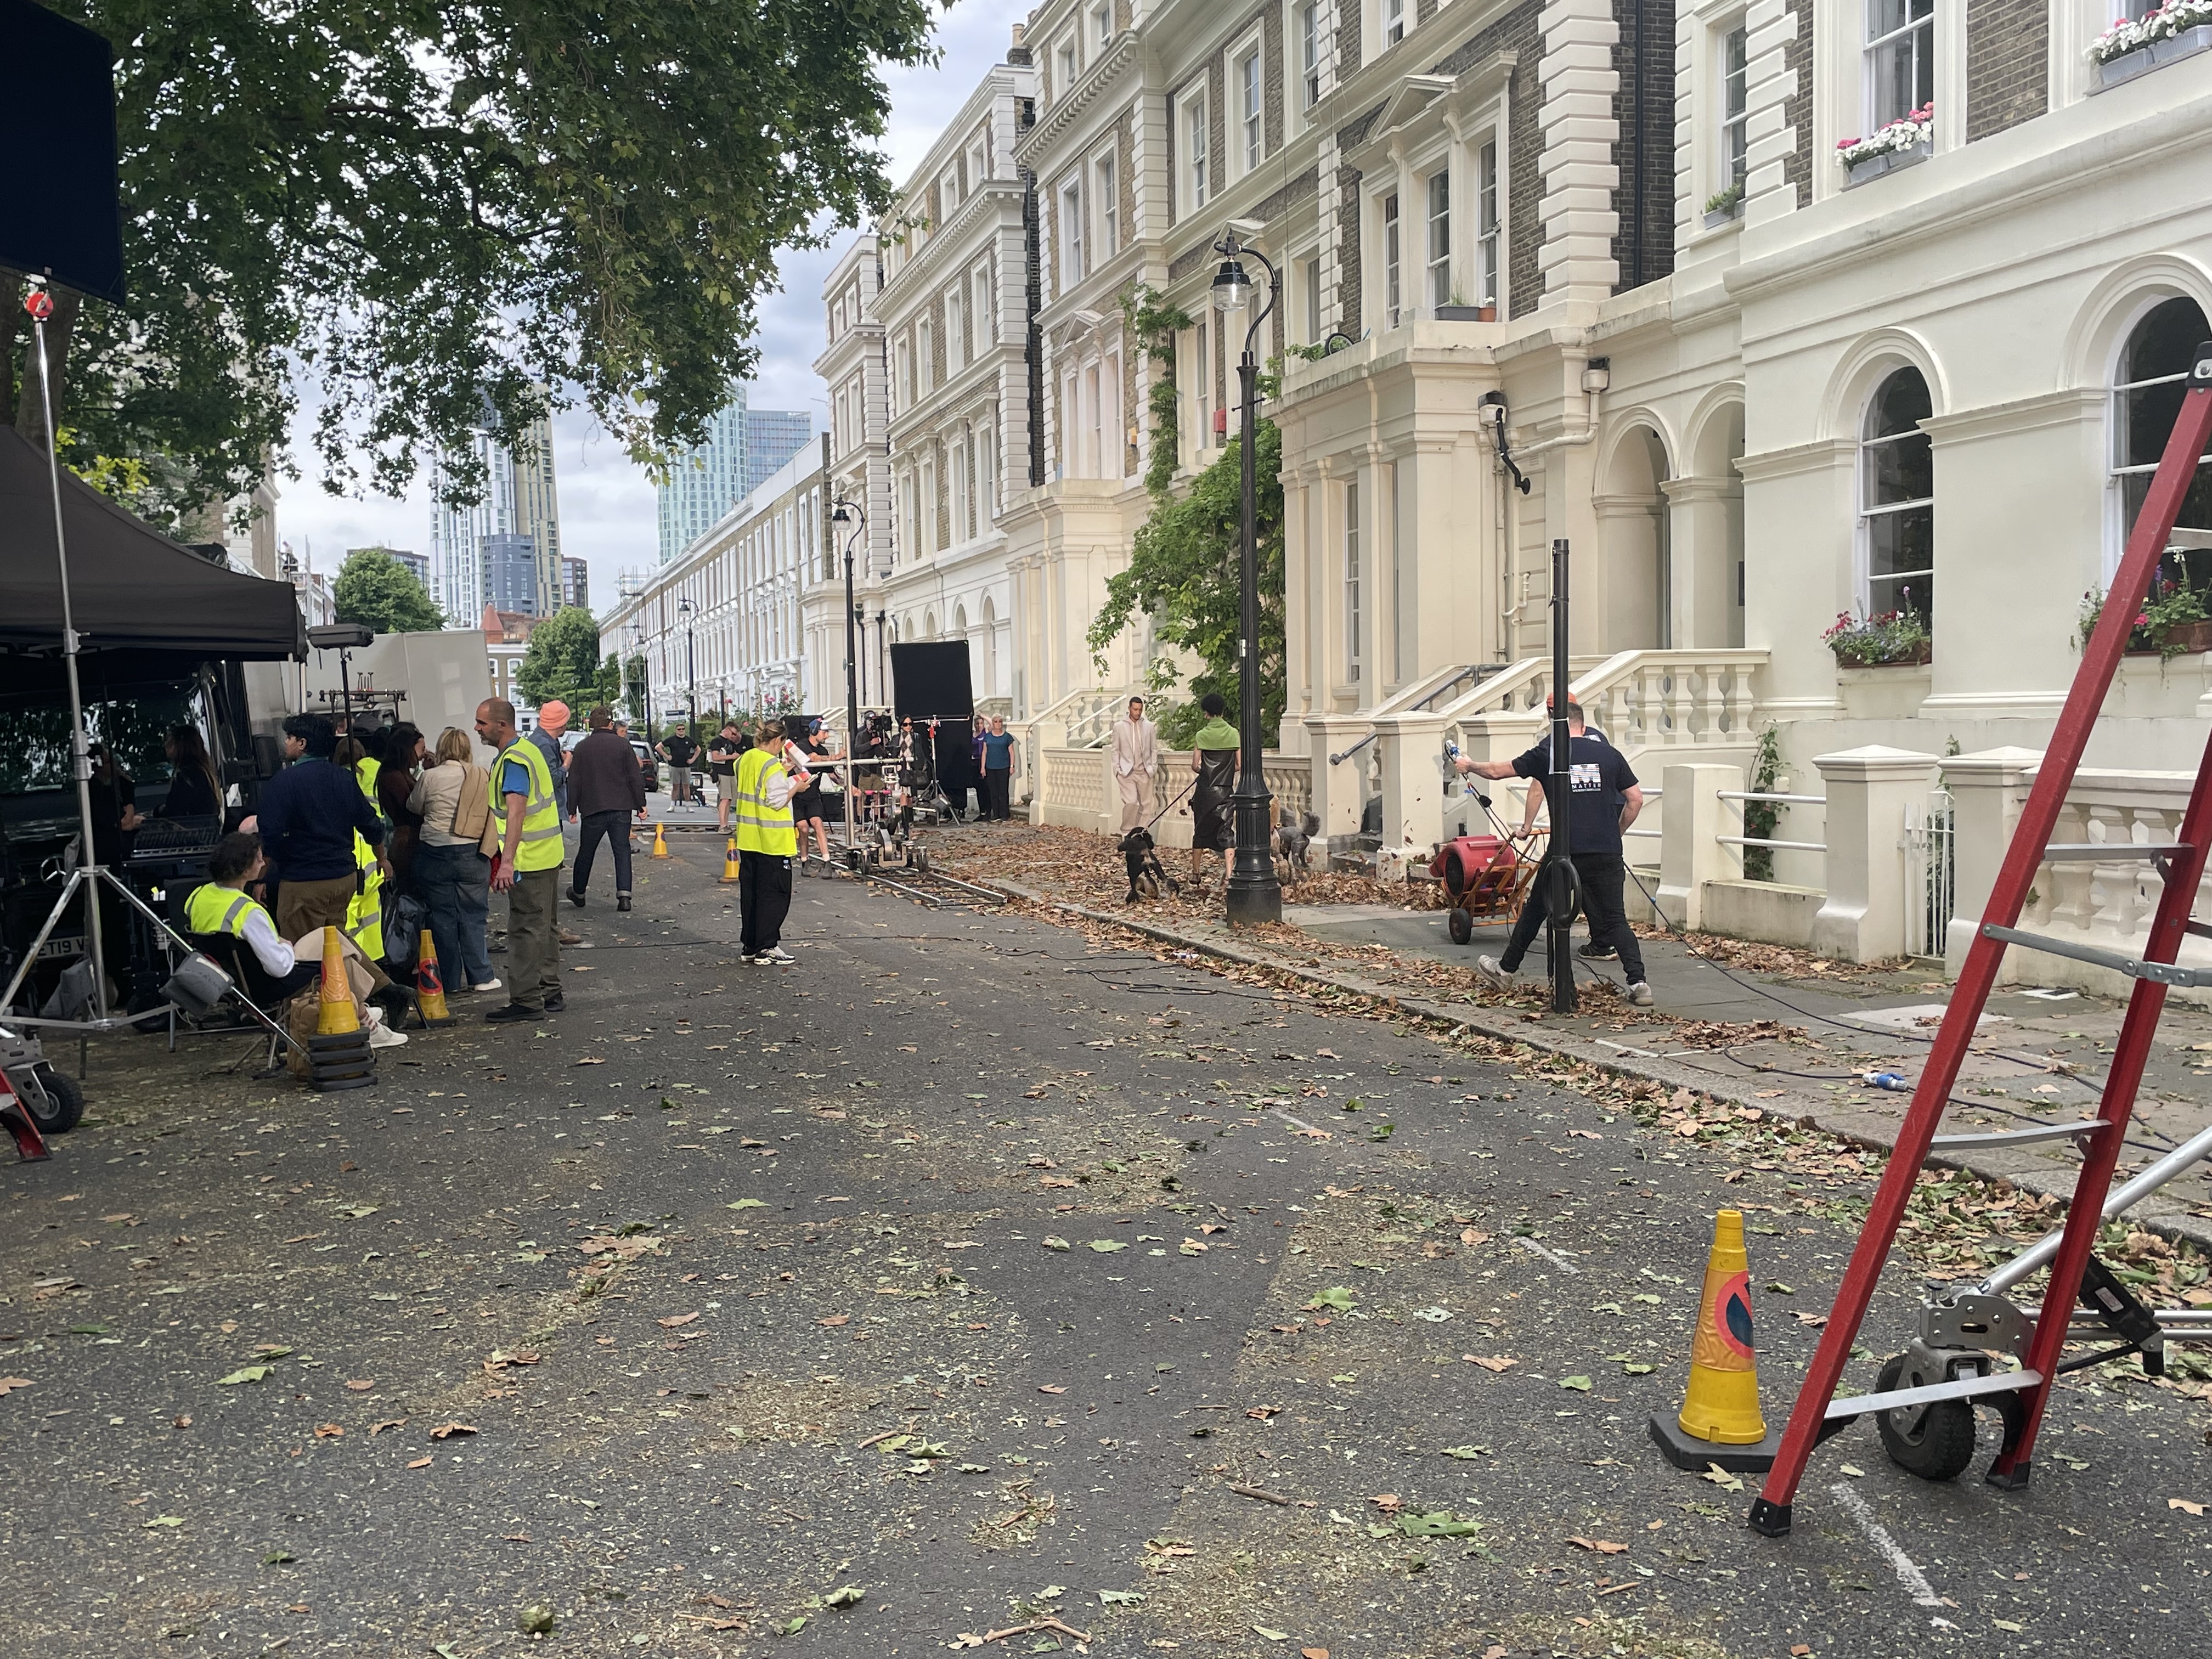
point(30, 413)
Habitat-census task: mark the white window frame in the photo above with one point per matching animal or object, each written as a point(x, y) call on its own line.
point(1876, 47)
point(2117, 470)
point(1390, 240)
point(1193, 176)
point(1731, 105)
point(1389, 23)
point(1101, 27)
point(925, 357)
point(1246, 85)
point(1436, 238)
point(1067, 64)
point(980, 305)
point(979, 164)
point(1354, 656)
point(1869, 602)
point(1308, 266)
point(1070, 231)
point(1106, 190)
point(1489, 218)
point(955, 351)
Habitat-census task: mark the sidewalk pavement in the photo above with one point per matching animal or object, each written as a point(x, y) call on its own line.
point(1754, 1025)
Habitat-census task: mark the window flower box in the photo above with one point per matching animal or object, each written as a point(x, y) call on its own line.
point(1903, 143)
point(2135, 46)
point(1724, 206)
point(1894, 639)
point(2171, 623)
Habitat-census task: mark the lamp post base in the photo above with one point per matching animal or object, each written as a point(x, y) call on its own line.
point(1255, 896)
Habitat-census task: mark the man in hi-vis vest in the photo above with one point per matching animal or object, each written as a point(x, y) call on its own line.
point(526, 867)
point(766, 844)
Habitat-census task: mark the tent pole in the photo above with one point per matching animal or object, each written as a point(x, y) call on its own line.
point(40, 305)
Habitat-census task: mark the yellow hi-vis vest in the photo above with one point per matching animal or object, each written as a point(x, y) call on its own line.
point(364, 918)
point(540, 847)
point(213, 908)
point(761, 828)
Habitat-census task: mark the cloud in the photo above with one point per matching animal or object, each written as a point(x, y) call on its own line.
point(607, 506)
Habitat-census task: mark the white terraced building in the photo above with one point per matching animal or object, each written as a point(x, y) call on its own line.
point(1782, 310)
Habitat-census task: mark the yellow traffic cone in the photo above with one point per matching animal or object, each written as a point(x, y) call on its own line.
point(335, 1017)
point(1720, 1421)
point(660, 841)
point(730, 863)
point(430, 984)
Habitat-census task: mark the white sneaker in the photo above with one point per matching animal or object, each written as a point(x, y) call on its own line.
point(489, 985)
point(779, 955)
point(1490, 968)
point(1640, 994)
point(383, 1036)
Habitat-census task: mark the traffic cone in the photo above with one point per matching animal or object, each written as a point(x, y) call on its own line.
point(336, 1016)
point(730, 863)
point(660, 841)
point(1720, 1421)
point(430, 984)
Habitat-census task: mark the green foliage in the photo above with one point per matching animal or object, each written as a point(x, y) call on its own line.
point(377, 591)
point(1871, 641)
point(1183, 572)
point(633, 686)
point(1761, 817)
point(561, 659)
point(2172, 606)
point(429, 208)
point(1154, 324)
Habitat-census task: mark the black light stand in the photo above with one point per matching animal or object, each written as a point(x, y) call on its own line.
point(844, 512)
point(1254, 894)
point(90, 874)
point(1563, 888)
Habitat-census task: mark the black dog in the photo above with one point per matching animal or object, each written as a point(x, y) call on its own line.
point(1294, 839)
point(1146, 878)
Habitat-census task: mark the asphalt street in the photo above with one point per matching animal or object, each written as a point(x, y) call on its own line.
point(972, 1265)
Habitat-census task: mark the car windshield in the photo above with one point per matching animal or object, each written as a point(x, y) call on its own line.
point(34, 739)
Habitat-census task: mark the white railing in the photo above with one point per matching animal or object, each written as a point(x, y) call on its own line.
point(2085, 901)
point(1930, 836)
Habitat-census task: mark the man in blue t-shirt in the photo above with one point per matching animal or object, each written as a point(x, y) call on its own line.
point(1607, 798)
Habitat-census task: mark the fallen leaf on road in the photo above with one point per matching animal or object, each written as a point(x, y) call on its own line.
point(1051, 1387)
point(328, 1430)
point(1053, 1241)
point(674, 1319)
point(444, 1430)
point(1579, 1384)
point(1470, 1236)
point(1107, 1246)
point(1493, 1363)
point(9, 1384)
point(389, 1423)
point(164, 1521)
point(834, 1319)
point(244, 1374)
point(420, 1463)
point(1721, 1478)
point(2184, 1506)
point(746, 1204)
point(361, 1385)
point(1267, 1634)
point(1602, 1545)
point(1314, 1653)
point(591, 1060)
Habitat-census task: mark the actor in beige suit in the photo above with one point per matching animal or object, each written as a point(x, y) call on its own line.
point(1136, 757)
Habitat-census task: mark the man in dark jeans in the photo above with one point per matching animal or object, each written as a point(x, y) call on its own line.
point(1606, 800)
point(722, 751)
point(678, 750)
point(997, 770)
point(605, 786)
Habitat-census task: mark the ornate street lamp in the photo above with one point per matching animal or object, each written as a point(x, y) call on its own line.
point(844, 512)
point(1254, 894)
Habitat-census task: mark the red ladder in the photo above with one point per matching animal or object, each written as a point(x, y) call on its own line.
point(2024, 1392)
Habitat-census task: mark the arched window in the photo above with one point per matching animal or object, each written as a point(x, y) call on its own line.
point(2147, 386)
point(1897, 498)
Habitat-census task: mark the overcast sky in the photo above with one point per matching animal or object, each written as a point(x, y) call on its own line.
point(607, 512)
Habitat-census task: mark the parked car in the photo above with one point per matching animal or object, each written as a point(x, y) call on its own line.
point(646, 763)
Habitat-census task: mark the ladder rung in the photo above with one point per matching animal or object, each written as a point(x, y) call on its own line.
point(2163, 972)
point(2202, 929)
point(2028, 1137)
point(2112, 852)
point(1964, 1388)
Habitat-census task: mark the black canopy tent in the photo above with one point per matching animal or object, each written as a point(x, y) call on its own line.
point(157, 606)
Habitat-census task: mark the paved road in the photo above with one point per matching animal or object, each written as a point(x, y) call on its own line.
point(823, 1336)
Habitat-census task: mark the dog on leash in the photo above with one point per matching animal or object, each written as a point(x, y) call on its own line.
point(1294, 839)
point(1146, 875)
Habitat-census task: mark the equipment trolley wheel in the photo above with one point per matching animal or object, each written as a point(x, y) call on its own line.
point(61, 1105)
point(1458, 925)
point(1936, 1441)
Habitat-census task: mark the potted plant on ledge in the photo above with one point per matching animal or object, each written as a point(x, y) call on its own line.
point(1904, 141)
point(1895, 638)
point(1724, 205)
point(2135, 46)
point(2171, 623)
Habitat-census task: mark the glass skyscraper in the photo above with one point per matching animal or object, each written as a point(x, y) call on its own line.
point(744, 448)
point(519, 504)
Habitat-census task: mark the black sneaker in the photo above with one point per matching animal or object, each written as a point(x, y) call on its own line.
point(513, 1013)
point(1595, 951)
point(555, 1002)
point(622, 903)
point(575, 898)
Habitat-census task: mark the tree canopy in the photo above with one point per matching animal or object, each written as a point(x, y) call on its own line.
point(1183, 572)
point(563, 660)
point(375, 589)
point(438, 212)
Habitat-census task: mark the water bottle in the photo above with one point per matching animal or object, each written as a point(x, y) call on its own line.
point(1896, 1082)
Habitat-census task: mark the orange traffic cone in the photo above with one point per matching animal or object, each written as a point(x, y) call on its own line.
point(1720, 1421)
point(730, 863)
point(430, 984)
point(336, 1016)
point(660, 841)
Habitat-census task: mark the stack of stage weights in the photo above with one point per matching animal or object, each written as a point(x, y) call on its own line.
point(339, 1054)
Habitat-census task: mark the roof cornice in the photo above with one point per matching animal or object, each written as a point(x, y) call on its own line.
point(1089, 88)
